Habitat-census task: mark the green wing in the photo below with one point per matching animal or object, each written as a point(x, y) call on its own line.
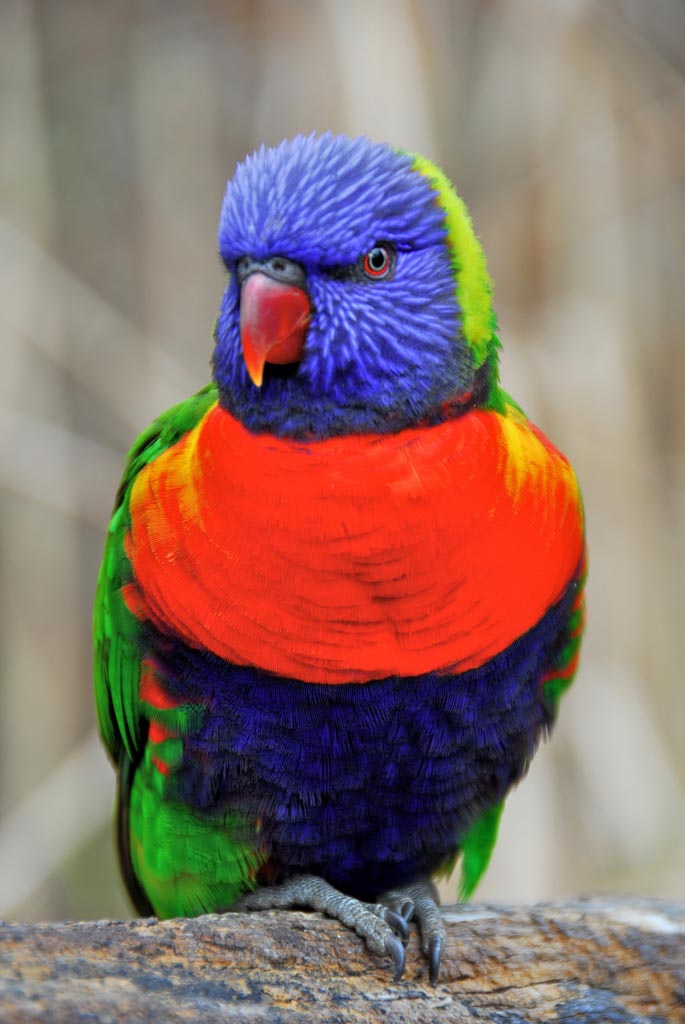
point(115, 629)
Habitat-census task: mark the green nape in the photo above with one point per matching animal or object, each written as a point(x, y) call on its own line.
point(188, 863)
point(474, 285)
point(476, 850)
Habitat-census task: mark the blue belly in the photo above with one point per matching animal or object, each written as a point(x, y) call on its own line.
point(367, 785)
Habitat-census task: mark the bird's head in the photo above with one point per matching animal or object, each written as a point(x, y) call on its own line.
point(358, 298)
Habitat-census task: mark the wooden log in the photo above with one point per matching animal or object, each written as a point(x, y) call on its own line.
point(589, 960)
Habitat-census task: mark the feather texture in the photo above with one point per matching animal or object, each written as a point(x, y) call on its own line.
point(337, 612)
point(354, 558)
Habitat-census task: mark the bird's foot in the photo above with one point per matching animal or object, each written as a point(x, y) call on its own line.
point(383, 928)
point(420, 900)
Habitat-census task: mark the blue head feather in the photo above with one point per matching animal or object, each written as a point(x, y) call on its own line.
point(379, 355)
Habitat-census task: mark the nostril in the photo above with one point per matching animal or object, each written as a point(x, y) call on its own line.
point(242, 266)
point(279, 268)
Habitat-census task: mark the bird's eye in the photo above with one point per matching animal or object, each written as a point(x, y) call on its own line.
point(378, 262)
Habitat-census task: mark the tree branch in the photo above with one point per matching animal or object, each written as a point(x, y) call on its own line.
point(596, 960)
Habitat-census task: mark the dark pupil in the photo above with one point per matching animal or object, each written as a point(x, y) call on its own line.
point(377, 259)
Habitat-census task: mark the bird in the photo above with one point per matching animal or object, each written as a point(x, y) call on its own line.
point(342, 590)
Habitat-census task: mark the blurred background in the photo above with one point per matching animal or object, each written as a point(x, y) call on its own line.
point(563, 124)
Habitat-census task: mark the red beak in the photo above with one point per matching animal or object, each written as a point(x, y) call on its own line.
point(273, 323)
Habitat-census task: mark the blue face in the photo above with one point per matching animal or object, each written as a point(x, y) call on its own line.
point(383, 347)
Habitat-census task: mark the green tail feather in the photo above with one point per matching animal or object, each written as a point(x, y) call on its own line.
point(476, 850)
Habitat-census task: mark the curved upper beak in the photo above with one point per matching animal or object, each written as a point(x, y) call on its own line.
point(273, 322)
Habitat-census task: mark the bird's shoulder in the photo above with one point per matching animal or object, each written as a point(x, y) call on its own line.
point(164, 432)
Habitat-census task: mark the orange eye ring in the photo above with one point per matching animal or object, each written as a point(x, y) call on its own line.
point(378, 262)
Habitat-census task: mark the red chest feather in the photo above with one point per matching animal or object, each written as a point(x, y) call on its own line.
point(355, 558)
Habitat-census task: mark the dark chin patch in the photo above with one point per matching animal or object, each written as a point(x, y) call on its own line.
point(285, 371)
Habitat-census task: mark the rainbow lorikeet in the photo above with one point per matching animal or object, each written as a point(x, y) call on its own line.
point(342, 589)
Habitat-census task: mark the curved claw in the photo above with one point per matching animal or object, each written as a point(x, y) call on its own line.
point(434, 954)
point(407, 910)
point(395, 949)
point(397, 923)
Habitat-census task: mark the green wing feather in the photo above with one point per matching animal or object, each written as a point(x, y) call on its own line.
point(562, 672)
point(476, 850)
point(117, 655)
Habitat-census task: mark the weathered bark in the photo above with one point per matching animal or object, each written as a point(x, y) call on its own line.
point(595, 960)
